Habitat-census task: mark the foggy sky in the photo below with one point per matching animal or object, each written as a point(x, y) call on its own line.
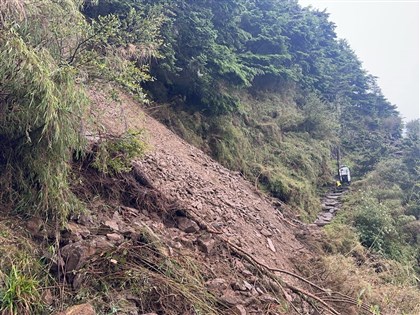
point(385, 36)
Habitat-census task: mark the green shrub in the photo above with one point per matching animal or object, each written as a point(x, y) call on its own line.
point(20, 293)
point(114, 155)
point(374, 223)
point(342, 238)
point(39, 128)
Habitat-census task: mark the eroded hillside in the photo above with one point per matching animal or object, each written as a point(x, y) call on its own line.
point(106, 211)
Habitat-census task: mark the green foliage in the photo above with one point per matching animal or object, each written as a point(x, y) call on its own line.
point(382, 225)
point(22, 277)
point(120, 43)
point(375, 224)
point(342, 239)
point(47, 50)
point(39, 123)
point(20, 295)
point(114, 155)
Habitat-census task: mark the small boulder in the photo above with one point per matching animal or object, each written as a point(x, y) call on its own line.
point(112, 224)
point(75, 255)
point(267, 298)
point(247, 273)
point(187, 225)
point(238, 310)
point(35, 226)
point(229, 297)
point(271, 245)
point(238, 286)
point(47, 297)
point(206, 244)
point(217, 284)
point(266, 233)
point(74, 232)
point(81, 309)
point(115, 237)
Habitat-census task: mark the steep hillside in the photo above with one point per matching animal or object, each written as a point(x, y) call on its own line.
point(105, 210)
point(237, 75)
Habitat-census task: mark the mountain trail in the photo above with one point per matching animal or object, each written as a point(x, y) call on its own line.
point(331, 204)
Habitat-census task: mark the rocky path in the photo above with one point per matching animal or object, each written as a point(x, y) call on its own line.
point(331, 204)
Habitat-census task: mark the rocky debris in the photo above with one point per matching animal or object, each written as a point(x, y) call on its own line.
point(218, 197)
point(206, 244)
point(238, 310)
point(187, 225)
point(231, 298)
point(81, 309)
point(209, 196)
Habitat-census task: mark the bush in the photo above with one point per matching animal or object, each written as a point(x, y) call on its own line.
point(41, 106)
point(374, 223)
point(114, 155)
point(20, 295)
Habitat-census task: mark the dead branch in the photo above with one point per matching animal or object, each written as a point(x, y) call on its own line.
point(270, 272)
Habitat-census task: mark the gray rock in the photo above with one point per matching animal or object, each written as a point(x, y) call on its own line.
point(81, 309)
point(75, 255)
point(238, 310)
point(266, 233)
point(206, 244)
point(115, 237)
point(248, 285)
point(217, 284)
point(112, 224)
point(187, 225)
point(238, 286)
point(271, 245)
point(229, 297)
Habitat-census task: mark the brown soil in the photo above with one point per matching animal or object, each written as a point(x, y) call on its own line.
point(178, 208)
point(217, 196)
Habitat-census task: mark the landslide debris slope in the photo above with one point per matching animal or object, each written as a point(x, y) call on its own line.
point(244, 246)
point(140, 222)
point(218, 216)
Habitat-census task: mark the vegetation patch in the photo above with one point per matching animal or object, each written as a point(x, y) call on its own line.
point(140, 268)
point(114, 155)
point(23, 278)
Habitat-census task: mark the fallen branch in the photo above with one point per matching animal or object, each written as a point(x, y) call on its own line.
point(275, 269)
point(269, 272)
